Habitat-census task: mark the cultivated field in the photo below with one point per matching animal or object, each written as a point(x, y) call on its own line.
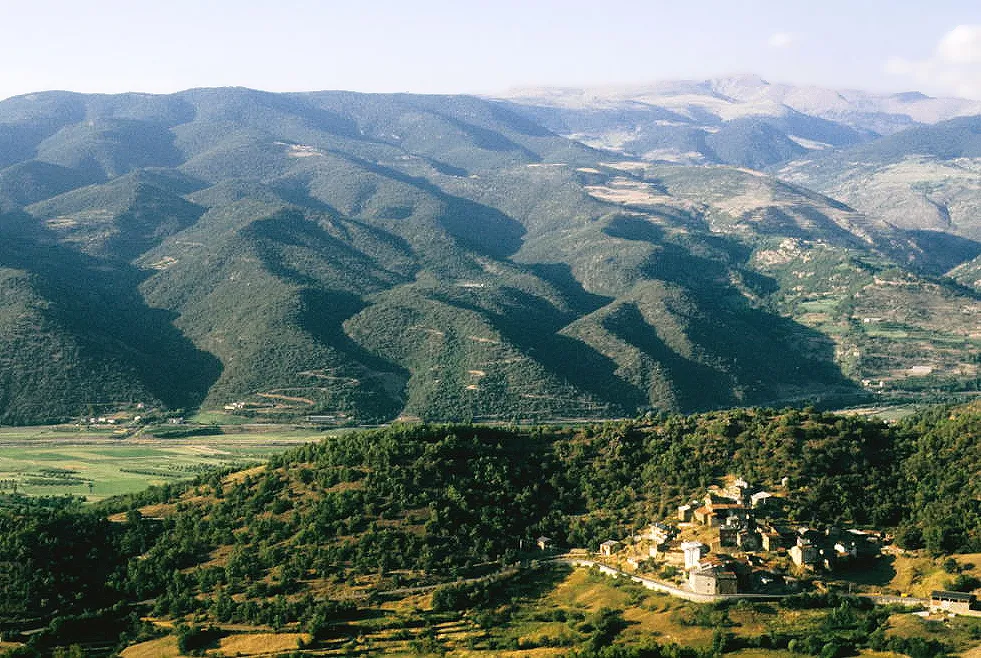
point(96, 463)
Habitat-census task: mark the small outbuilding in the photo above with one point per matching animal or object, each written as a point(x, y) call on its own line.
point(952, 602)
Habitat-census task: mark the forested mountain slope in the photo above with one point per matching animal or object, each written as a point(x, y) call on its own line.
point(370, 256)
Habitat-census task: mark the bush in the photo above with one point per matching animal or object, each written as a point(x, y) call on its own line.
point(194, 640)
point(965, 583)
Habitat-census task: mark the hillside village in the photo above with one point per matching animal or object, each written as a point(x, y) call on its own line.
point(738, 539)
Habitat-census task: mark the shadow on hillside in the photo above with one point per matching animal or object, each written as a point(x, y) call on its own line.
point(879, 572)
point(113, 147)
point(475, 226)
point(382, 383)
point(695, 385)
point(302, 253)
point(99, 304)
point(942, 252)
point(19, 140)
point(532, 324)
point(742, 353)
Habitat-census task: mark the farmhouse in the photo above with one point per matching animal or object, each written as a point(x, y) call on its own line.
point(609, 547)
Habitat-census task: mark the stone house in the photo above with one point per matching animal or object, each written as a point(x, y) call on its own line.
point(660, 533)
point(805, 554)
point(855, 544)
point(706, 516)
point(694, 551)
point(771, 541)
point(748, 539)
point(713, 581)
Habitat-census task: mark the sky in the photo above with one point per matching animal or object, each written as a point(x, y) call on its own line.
point(473, 46)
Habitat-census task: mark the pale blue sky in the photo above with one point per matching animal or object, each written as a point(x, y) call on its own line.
point(484, 47)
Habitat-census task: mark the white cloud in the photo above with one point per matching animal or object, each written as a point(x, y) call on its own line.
point(954, 68)
point(962, 45)
point(781, 40)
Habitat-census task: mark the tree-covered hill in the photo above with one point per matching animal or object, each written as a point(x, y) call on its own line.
point(412, 506)
point(362, 257)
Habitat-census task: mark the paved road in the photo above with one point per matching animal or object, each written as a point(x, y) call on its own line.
point(896, 600)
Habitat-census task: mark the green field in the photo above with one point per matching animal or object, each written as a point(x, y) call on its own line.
point(55, 461)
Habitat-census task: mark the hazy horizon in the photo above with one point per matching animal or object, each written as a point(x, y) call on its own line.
point(436, 46)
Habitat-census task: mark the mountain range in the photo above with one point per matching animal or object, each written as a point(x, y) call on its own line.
point(557, 254)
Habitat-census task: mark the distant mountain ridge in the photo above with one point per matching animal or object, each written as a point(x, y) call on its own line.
point(745, 95)
point(741, 120)
point(371, 256)
point(924, 178)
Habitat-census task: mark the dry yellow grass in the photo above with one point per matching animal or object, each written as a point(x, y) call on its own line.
point(579, 591)
point(972, 653)
point(762, 653)
point(159, 623)
point(165, 647)
point(868, 653)
point(239, 476)
point(159, 511)
point(540, 652)
point(259, 644)
point(243, 644)
point(969, 561)
point(547, 630)
point(645, 624)
point(918, 574)
point(904, 625)
point(956, 632)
